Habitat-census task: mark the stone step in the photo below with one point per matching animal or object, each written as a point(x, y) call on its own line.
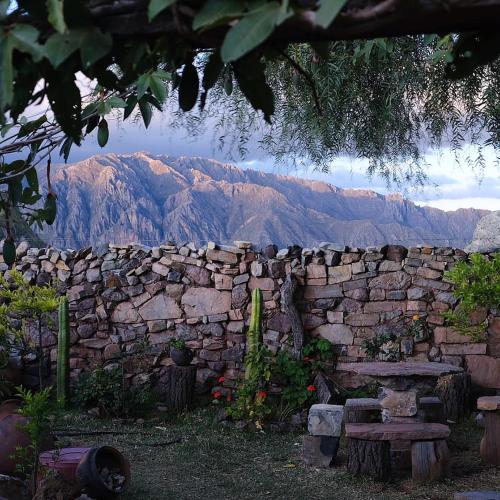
point(488, 403)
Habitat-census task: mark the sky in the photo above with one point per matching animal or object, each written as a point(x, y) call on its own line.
point(452, 184)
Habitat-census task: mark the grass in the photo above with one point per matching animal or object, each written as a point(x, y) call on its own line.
point(217, 462)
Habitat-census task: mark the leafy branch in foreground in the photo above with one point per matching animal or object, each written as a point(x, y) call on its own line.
point(138, 54)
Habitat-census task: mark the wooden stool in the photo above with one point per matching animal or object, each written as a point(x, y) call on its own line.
point(490, 444)
point(368, 449)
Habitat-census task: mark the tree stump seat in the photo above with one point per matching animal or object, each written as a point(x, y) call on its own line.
point(490, 444)
point(369, 449)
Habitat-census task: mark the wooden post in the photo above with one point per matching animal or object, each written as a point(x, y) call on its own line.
point(369, 457)
point(287, 292)
point(180, 392)
point(429, 460)
point(490, 444)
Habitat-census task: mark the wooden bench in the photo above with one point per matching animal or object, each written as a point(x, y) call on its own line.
point(490, 444)
point(368, 450)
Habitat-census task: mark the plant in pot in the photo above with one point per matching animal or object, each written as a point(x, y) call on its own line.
point(180, 354)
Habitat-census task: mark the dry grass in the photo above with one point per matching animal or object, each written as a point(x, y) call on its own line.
point(217, 462)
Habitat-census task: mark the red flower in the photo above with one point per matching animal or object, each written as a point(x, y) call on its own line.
point(221, 380)
point(311, 388)
point(262, 394)
point(217, 394)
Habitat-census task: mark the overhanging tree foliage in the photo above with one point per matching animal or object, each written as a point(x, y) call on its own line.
point(372, 97)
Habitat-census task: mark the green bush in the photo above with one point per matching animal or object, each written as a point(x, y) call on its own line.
point(106, 390)
point(477, 284)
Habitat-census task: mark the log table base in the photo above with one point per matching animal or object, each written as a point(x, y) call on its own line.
point(181, 386)
point(490, 444)
point(430, 460)
point(369, 449)
point(372, 458)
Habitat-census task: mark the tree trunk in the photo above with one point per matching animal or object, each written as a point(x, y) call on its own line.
point(180, 391)
point(40, 353)
point(369, 457)
point(429, 460)
point(287, 304)
point(490, 444)
point(454, 392)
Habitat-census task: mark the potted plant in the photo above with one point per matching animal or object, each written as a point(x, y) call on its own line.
point(180, 354)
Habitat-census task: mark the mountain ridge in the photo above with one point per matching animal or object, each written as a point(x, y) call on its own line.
point(153, 198)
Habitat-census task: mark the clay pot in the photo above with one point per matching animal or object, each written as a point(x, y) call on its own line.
point(181, 357)
point(65, 461)
point(90, 475)
point(11, 435)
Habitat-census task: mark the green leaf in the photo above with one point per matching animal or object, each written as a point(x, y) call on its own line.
point(6, 72)
point(157, 6)
point(158, 88)
point(146, 112)
point(228, 82)
point(250, 32)
point(131, 104)
point(25, 39)
point(59, 47)
point(4, 7)
point(143, 84)
point(188, 87)
point(15, 190)
point(66, 148)
point(95, 45)
point(252, 82)
point(212, 70)
point(102, 133)
point(56, 15)
point(116, 102)
point(32, 178)
point(92, 123)
point(214, 12)
point(328, 11)
point(31, 126)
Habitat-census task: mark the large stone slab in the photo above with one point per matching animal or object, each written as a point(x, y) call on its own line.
point(398, 280)
point(160, 307)
point(336, 333)
point(323, 292)
point(325, 420)
point(484, 370)
point(402, 369)
point(488, 403)
point(125, 313)
point(397, 432)
point(398, 403)
point(205, 302)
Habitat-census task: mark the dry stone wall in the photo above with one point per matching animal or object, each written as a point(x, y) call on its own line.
point(121, 294)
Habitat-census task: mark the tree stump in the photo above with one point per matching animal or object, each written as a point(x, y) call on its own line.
point(490, 444)
point(369, 457)
point(180, 392)
point(454, 391)
point(429, 460)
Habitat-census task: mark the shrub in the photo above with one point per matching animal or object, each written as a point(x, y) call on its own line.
point(105, 389)
point(477, 284)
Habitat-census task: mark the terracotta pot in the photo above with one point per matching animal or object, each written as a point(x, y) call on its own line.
point(90, 467)
point(11, 435)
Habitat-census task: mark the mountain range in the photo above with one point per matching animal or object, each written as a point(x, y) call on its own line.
point(152, 199)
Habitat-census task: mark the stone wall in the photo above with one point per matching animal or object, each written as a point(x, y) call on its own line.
point(120, 294)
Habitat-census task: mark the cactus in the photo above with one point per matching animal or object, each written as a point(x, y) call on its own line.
point(63, 352)
point(254, 336)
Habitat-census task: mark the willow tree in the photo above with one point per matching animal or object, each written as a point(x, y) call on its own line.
point(329, 76)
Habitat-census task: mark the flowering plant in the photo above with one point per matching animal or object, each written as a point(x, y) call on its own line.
point(418, 329)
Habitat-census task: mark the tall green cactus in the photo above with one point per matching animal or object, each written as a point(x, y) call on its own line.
point(63, 353)
point(254, 336)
